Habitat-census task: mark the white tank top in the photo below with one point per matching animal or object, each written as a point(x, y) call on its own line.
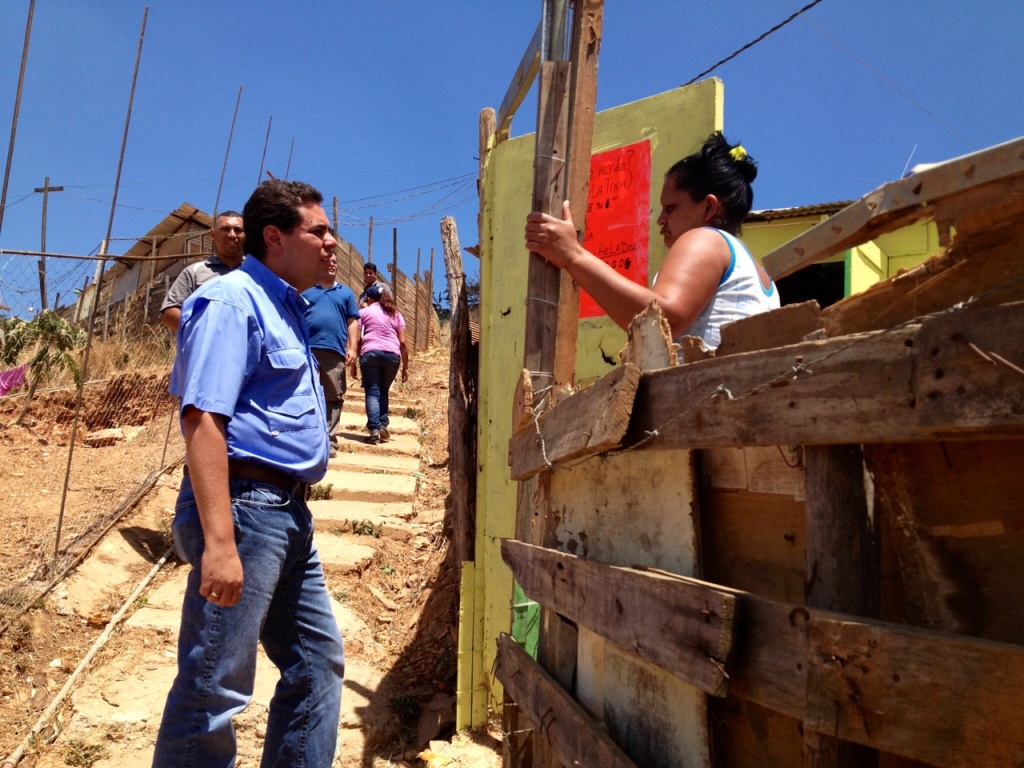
point(740, 294)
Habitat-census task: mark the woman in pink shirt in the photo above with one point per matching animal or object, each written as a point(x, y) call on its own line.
point(381, 351)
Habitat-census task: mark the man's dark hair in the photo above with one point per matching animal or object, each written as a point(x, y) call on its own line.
point(226, 215)
point(369, 265)
point(275, 202)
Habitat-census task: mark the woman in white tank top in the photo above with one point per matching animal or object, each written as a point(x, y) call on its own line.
point(708, 277)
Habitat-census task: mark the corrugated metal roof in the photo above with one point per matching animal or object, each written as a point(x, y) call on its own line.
point(168, 226)
point(819, 209)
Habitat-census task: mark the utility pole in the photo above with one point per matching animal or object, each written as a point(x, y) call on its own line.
point(46, 189)
point(369, 244)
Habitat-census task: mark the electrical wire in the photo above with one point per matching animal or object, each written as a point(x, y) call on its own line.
point(752, 43)
point(877, 73)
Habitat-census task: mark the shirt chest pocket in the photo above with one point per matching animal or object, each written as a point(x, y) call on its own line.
point(289, 397)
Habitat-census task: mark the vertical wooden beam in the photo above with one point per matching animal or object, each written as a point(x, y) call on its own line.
point(587, 27)
point(416, 298)
point(843, 568)
point(394, 263)
point(461, 402)
point(430, 294)
point(549, 185)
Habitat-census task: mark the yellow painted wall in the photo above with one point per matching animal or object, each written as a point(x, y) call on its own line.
point(867, 264)
point(676, 123)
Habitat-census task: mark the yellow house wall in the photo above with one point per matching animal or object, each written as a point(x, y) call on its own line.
point(676, 123)
point(866, 264)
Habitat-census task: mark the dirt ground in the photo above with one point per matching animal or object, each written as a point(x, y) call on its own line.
point(45, 637)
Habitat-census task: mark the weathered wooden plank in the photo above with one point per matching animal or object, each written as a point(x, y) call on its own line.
point(897, 204)
point(945, 700)
point(842, 569)
point(572, 733)
point(754, 541)
point(985, 267)
point(525, 74)
point(585, 46)
point(864, 388)
point(649, 343)
point(783, 326)
point(682, 625)
point(462, 405)
point(954, 520)
point(591, 421)
point(972, 374)
point(549, 181)
point(522, 403)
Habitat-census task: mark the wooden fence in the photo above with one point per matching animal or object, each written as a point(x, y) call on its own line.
point(805, 549)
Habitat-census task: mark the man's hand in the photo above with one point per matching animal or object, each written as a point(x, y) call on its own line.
point(222, 574)
point(207, 450)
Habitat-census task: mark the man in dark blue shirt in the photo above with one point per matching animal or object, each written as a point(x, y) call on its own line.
point(333, 318)
point(255, 436)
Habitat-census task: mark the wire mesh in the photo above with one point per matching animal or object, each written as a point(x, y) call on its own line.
point(126, 433)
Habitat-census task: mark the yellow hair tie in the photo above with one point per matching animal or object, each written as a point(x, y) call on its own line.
point(738, 153)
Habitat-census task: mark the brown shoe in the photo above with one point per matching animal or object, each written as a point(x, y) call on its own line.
point(374, 436)
point(384, 434)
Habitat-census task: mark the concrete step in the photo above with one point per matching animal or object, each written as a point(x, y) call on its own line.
point(332, 515)
point(374, 461)
point(355, 421)
point(369, 486)
point(340, 554)
point(359, 441)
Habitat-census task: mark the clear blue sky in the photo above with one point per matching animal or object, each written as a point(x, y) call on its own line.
point(382, 100)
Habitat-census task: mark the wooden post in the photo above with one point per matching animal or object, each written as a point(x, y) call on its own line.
point(552, 313)
point(461, 402)
point(588, 23)
point(394, 263)
point(417, 319)
point(843, 568)
point(430, 296)
point(369, 242)
point(46, 189)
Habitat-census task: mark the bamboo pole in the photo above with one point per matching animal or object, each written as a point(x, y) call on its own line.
point(17, 110)
point(96, 297)
point(227, 152)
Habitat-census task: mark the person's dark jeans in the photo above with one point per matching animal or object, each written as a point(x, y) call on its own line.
point(286, 607)
point(378, 370)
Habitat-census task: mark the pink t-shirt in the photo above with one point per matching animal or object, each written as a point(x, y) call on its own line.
point(380, 330)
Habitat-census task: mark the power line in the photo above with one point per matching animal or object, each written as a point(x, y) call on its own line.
point(875, 71)
point(752, 43)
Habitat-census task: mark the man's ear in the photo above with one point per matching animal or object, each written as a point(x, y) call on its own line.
point(272, 237)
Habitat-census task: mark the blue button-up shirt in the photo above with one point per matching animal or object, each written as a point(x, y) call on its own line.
point(243, 353)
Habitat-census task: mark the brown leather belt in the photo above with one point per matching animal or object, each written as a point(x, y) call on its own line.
point(260, 473)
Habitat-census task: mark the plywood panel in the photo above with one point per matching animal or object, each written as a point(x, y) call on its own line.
point(754, 542)
point(628, 509)
point(954, 514)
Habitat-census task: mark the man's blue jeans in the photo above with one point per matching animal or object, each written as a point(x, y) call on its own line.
point(284, 605)
point(378, 370)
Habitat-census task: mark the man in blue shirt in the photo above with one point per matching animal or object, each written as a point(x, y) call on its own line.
point(333, 319)
point(255, 435)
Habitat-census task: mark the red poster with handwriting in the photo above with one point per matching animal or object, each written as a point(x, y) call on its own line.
point(618, 214)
